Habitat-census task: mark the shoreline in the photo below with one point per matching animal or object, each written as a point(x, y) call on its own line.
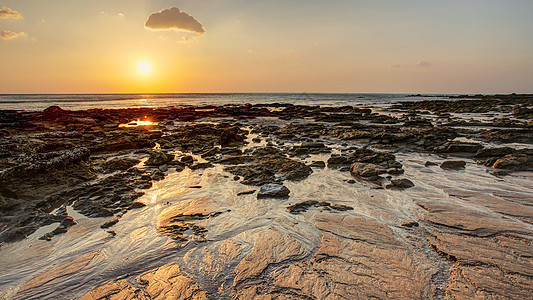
point(56, 160)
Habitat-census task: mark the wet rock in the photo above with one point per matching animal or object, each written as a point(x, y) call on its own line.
point(366, 170)
point(409, 224)
point(202, 166)
point(159, 158)
point(318, 164)
point(500, 173)
point(453, 165)
point(493, 152)
point(180, 222)
point(247, 192)
point(395, 171)
point(400, 184)
point(119, 164)
point(430, 163)
point(92, 209)
point(458, 147)
point(340, 207)
point(309, 148)
point(54, 112)
point(136, 205)
point(270, 168)
point(235, 160)
point(514, 162)
point(231, 136)
point(188, 160)
point(50, 278)
point(166, 282)
point(122, 143)
point(109, 223)
point(46, 163)
point(341, 260)
point(61, 228)
point(157, 175)
point(273, 191)
point(417, 122)
point(301, 207)
point(336, 160)
point(273, 247)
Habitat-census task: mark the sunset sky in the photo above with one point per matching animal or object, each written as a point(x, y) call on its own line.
point(123, 46)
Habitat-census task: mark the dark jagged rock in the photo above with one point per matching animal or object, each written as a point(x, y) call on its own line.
point(199, 166)
point(301, 207)
point(109, 223)
point(409, 224)
point(453, 165)
point(53, 112)
point(514, 162)
point(336, 161)
point(230, 136)
point(366, 170)
point(401, 184)
point(430, 163)
point(340, 207)
point(247, 192)
point(187, 159)
point(119, 164)
point(159, 158)
point(318, 164)
point(270, 168)
point(273, 191)
point(459, 147)
point(365, 155)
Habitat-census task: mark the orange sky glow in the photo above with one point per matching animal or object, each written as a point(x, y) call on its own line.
point(66, 46)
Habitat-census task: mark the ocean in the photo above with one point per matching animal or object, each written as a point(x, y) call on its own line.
point(37, 102)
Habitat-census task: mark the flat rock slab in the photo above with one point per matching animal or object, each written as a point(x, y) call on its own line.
point(166, 282)
point(180, 222)
point(51, 277)
point(273, 191)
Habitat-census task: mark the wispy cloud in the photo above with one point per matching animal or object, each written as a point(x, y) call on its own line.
point(6, 13)
point(424, 64)
point(10, 35)
point(105, 14)
point(174, 18)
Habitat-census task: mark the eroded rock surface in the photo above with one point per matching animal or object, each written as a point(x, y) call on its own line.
point(166, 282)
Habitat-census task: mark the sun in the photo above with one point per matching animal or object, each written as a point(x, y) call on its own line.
point(144, 67)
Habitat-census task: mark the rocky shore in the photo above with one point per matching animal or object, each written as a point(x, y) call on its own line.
point(421, 200)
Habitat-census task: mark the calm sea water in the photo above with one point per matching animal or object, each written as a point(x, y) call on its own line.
point(35, 102)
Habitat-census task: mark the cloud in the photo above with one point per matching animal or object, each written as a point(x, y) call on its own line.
point(103, 13)
point(424, 64)
point(10, 35)
point(6, 13)
point(174, 18)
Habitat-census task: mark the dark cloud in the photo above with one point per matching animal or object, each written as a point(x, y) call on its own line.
point(6, 13)
point(10, 35)
point(424, 64)
point(174, 18)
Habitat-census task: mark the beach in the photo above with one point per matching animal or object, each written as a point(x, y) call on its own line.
point(427, 198)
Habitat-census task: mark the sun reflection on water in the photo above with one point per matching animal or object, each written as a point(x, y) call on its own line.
point(138, 123)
